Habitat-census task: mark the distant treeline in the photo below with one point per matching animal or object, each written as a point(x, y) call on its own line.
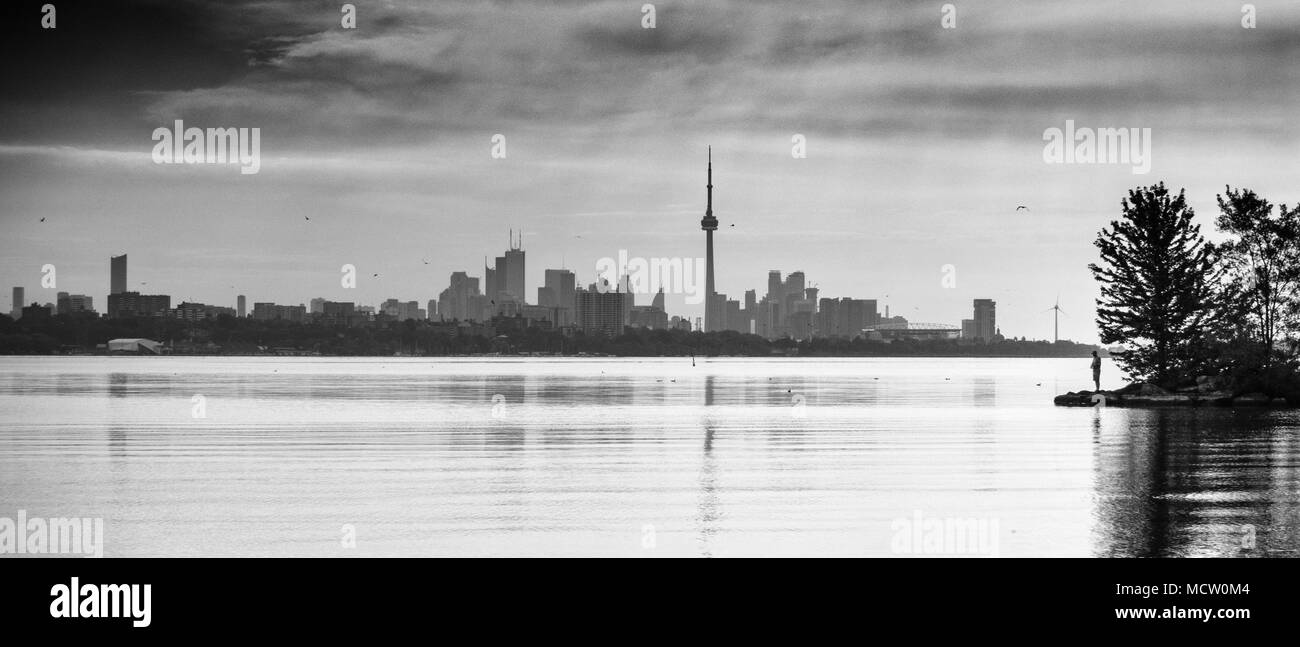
point(231, 336)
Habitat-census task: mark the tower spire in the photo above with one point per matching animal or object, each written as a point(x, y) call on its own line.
point(708, 211)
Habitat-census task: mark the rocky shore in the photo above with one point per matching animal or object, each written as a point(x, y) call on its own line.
point(1208, 392)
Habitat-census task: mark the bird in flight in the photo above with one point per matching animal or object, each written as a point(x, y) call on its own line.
point(306, 217)
point(1022, 207)
point(42, 220)
point(376, 274)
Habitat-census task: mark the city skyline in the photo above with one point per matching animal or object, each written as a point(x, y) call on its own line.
point(921, 143)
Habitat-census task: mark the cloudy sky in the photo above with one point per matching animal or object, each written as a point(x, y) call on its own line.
point(921, 142)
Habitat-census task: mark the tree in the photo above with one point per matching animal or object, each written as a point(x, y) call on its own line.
point(1263, 263)
point(1159, 286)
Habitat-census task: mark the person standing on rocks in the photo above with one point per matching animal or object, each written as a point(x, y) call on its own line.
point(1096, 370)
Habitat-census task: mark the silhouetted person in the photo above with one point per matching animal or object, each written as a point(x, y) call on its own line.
point(1096, 370)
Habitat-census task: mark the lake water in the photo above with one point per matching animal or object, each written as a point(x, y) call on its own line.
point(642, 457)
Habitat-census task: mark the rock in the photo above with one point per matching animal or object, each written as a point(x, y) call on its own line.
point(1151, 390)
point(1150, 395)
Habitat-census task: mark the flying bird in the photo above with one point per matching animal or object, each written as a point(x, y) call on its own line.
point(306, 217)
point(1022, 207)
point(42, 220)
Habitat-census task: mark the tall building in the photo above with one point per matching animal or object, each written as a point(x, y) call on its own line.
point(713, 314)
point(601, 313)
point(318, 306)
point(986, 319)
point(117, 271)
point(559, 293)
point(775, 291)
point(505, 281)
point(17, 311)
point(462, 300)
point(432, 311)
point(240, 302)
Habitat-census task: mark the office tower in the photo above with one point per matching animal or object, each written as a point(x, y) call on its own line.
point(658, 302)
point(272, 312)
point(401, 310)
point(17, 311)
point(188, 311)
point(751, 301)
point(709, 224)
point(80, 303)
point(794, 284)
point(560, 291)
point(239, 306)
point(985, 319)
point(117, 271)
point(462, 300)
point(968, 329)
point(629, 301)
point(505, 280)
point(318, 306)
point(432, 311)
point(514, 273)
point(774, 285)
point(63, 304)
point(134, 304)
point(601, 313)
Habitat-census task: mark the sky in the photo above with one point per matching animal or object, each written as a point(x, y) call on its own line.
point(376, 142)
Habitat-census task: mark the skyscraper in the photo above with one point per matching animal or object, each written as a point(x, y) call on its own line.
point(712, 314)
point(601, 313)
point(240, 302)
point(462, 300)
point(559, 292)
point(17, 311)
point(117, 271)
point(505, 280)
point(986, 319)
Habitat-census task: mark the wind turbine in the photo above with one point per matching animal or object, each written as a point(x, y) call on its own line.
point(1056, 319)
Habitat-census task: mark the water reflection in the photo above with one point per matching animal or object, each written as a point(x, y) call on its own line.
point(707, 509)
point(580, 451)
point(1191, 482)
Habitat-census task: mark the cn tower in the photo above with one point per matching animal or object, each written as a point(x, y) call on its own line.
point(709, 224)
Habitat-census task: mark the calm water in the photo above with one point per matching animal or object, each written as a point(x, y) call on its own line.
point(632, 458)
